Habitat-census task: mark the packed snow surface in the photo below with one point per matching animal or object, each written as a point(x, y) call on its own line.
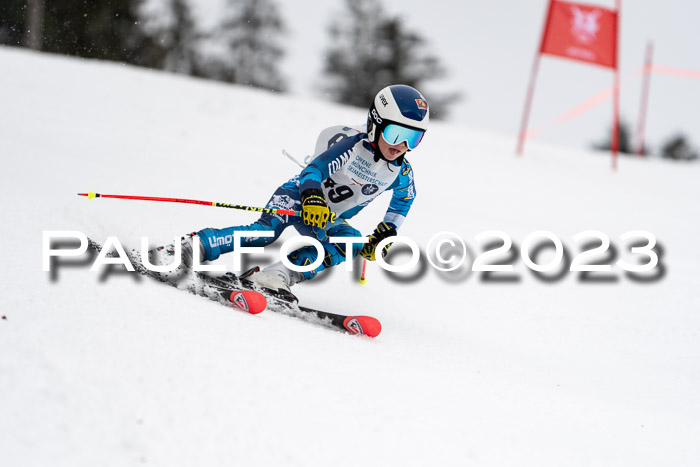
point(470, 369)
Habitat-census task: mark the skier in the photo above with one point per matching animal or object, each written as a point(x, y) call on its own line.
point(351, 167)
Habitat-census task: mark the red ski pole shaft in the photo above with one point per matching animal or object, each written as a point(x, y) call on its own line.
point(288, 212)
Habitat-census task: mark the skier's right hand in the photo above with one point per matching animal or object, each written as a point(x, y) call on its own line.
point(315, 210)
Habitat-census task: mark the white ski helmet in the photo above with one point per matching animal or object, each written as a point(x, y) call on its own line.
point(399, 113)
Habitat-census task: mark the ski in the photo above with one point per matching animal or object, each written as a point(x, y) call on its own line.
point(360, 325)
point(232, 290)
point(247, 300)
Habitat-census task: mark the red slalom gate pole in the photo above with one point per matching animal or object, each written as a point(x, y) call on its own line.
point(288, 212)
point(531, 86)
point(615, 140)
point(641, 122)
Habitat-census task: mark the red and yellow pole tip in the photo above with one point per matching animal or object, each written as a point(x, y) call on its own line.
point(89, 194)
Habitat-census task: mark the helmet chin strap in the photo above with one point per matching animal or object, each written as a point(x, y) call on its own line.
point(372, 133)
point(378, 155)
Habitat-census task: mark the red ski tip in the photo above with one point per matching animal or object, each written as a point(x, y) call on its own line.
point(248, 300)
point(364, 325)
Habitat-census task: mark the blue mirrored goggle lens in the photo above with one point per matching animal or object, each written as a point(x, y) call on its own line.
point(397, 134)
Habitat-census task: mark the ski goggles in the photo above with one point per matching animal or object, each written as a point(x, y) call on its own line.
point(397, 134)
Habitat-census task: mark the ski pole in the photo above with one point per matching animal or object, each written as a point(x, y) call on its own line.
point(363, 278)
point(288, 212)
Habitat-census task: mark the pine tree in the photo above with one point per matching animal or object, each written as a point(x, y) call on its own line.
point(371, 50)
point(13, 21)
point(354, 60)
point(679, 148)
point(107, 30)
point(252, 54)
point(625, 145)
point(181, 39)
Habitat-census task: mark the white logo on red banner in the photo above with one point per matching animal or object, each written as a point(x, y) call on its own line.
point(584, 25)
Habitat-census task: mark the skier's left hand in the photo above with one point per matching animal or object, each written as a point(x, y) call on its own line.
point(382, 231)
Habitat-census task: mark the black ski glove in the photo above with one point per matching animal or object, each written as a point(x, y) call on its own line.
point(382, 231)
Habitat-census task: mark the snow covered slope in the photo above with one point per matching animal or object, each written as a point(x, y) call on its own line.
point(111, 369)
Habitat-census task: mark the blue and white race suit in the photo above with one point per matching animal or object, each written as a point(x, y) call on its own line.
point(350, 174)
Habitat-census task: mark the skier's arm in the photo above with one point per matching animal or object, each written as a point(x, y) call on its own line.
point(327, 163)
point(404, 192)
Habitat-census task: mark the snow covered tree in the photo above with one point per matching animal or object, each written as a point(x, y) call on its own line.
point(371, 50)
point(252, 55)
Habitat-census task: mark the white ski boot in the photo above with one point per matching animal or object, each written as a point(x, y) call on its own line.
point(277, 278)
